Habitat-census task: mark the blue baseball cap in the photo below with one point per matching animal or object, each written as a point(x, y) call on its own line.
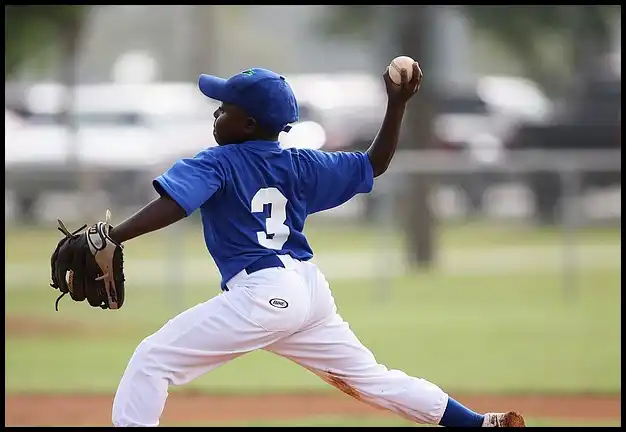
point(263, 94)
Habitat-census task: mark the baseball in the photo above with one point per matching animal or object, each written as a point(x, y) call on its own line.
point(396, 66)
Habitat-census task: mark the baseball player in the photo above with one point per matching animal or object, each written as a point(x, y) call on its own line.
point(254, 197)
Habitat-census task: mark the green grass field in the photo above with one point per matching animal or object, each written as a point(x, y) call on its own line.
point(438, 325)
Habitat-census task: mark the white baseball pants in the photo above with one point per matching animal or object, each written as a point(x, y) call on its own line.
point(304, 327)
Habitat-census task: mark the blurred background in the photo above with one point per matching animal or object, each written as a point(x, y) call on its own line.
point(487, 260)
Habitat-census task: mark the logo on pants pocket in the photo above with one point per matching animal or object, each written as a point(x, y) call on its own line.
point(279, 303)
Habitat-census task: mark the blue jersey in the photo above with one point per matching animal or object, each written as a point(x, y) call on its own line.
point(254, 197)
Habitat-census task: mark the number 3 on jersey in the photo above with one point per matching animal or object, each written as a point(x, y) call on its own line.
point(276, 232)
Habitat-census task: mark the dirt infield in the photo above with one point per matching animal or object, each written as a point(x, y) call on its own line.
point(197, 409)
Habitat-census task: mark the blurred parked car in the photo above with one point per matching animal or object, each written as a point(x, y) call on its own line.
point(118, 133)
point(12, 121)
point(589, 119)
point(474, 120)
point(348, 106)
point(124, 135)
point(477, 120)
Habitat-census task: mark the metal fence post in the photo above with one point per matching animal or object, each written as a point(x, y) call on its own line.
point(385, 199)
point(174, 280)
point(570, 221)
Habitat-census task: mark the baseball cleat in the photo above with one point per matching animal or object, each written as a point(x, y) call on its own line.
point(509, 419)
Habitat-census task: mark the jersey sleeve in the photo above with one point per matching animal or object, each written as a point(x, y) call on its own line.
point(192, 181)
point(332, 178)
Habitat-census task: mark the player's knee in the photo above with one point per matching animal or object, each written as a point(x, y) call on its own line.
point(145, 358)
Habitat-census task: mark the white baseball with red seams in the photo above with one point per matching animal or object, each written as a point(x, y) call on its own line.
point(396, 66)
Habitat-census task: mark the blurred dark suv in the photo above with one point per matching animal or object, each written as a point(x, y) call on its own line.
point(464, 125)
point(590, 120)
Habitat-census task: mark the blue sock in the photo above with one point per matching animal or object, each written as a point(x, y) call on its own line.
point(456, 415)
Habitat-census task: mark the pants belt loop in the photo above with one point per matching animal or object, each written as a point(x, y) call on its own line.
point(287, 261)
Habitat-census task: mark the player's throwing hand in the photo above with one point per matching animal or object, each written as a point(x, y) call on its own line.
point(407, 88)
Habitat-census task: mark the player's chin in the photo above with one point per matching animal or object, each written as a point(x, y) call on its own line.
point(217, 138)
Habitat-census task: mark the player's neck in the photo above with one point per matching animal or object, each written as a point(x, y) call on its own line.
point(264, 137)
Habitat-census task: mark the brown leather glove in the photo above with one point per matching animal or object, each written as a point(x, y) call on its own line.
point(89, 265)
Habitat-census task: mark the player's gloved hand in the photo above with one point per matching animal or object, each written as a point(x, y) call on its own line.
point(89, 265)
point(400, 94)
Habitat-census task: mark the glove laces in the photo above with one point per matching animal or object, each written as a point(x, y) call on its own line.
point(56, 303)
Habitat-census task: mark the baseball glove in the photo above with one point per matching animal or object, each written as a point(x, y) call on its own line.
point(89, 265)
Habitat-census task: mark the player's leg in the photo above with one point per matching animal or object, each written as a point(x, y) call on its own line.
point(203, 338)
point(334, 353)
point(328, 347)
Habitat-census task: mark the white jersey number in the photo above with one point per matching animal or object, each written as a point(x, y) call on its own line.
point(276, 232)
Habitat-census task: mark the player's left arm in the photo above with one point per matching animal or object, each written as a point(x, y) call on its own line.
point(182, 189)
point(159, 213)
point(384, 145)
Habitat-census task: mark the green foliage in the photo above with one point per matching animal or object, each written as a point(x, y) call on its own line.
point(523, 30)
point(36, 33)
point(349, 21)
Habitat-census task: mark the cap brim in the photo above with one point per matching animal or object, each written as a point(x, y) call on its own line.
point(212, 87)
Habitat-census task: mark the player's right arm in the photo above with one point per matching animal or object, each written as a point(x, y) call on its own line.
point(330, 179)
point(182, 189)
point(384, 145)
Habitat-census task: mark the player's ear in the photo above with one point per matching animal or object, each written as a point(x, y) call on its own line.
point(250, 125)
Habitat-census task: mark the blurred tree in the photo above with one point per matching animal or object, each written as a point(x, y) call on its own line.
point(415, 31)
point(51, 36)
point(584, 32)
point(25, 30)
point(52, 33)
point(37, 34)
point(413, 27)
